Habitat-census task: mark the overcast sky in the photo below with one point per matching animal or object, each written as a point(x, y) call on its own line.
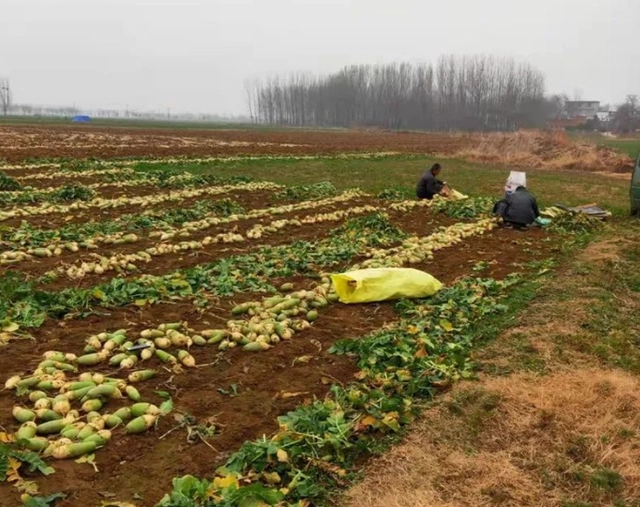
point(194, 55)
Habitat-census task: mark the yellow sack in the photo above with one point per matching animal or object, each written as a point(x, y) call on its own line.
point(381, 284)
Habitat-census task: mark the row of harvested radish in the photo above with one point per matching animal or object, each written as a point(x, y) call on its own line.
point(190, 227)
point(70, 174)
point(201, 160)
point(57, 248)
point(141, 201)
point(415, 250)
point(130, 262)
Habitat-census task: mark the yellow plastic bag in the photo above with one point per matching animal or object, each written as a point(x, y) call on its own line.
point(382, 284)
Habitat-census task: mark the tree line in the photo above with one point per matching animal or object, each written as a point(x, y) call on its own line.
point(461, 93)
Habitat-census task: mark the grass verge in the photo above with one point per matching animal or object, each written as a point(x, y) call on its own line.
point(553, 417)
point(402, 173)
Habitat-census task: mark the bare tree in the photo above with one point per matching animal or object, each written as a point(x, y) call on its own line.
point(468, 93)
point(627, 118)
point(5, 96)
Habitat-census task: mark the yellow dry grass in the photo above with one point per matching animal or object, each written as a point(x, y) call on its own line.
point(517, 441)
point(545, 150)
point(568, 438)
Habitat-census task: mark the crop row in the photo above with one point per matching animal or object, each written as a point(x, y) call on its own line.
point(317, 443)
point(27, 306)
point(75, 192)
point(271, 320)
point(122, 262)
point(27, 237)
point(129, 262)
point(166, 231)
point(81, 165)
point(142, 201)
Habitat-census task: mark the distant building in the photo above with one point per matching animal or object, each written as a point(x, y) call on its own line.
point(606, 116)
point(582, 108)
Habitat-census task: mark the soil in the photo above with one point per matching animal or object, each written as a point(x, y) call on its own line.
point(18, 143)
point(128, 463)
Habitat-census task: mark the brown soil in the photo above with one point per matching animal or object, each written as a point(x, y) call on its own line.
point(127, 462)
point(18, 143)
point(550, 150)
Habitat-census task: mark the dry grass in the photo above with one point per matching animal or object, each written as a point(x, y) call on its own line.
point(548, 424)
point(517, 441)
point(545, 150)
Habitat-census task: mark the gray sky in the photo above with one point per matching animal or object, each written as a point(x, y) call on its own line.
point(194, 55)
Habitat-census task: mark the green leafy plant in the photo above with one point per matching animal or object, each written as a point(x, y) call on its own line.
point(574, 223)
point(305, 192)
point(472, 207)
point(43, 501)
point(392, 194)
point(24, 304)
point(73, 193)
point(317, 443)
point(8, 183)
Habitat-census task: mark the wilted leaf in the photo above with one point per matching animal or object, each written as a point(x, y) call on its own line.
point(90, 459)
point(286, 395)
point(422, 352)
point(391, 421)
point(140, 302)
point(368, 422)
point(99, 295)
point(225, 482)
point(326, 380)
point(272, 477)
point(282, 455)
point(10, 327)
point(28, 487)
point(12, 473)
point(5, 438)
point(302, 359)
point(110, 503)
point(446, 325)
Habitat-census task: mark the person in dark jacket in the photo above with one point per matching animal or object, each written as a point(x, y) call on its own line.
point(519, 208)
point(429, 184)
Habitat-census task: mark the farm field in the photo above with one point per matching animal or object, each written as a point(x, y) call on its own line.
point(221, 270)
point(22, 142)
